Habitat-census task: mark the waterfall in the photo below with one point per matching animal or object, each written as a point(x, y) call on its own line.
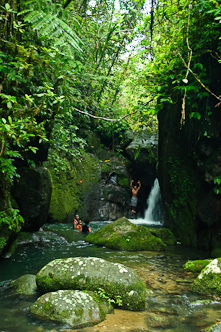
point(153, 215)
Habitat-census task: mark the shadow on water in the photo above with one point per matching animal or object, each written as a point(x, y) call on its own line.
point(171, 306)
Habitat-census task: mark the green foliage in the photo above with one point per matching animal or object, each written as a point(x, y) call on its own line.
point(217, 182)
point(16, 136)
point(12, 220)
point(177, 52)
point(44, 17)
point(64, 136)
point(101, 293)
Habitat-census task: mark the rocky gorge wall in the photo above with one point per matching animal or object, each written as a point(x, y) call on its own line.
point(189, 160)
point(97, 185)
point(94, 184)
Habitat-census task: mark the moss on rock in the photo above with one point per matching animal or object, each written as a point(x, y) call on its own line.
point(71, 179)
point(164, 234)
point(214, 328)
point(209, 280)
point(123, 235)
point(196, 266)
point(25, 285)
point(116, 280)
point(75, 308)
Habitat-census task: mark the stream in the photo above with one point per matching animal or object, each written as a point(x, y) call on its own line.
point(171, 306)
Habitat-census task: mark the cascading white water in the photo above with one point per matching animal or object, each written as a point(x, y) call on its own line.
point(153, 214)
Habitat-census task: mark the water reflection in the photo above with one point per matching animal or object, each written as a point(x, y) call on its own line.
point(171, 306)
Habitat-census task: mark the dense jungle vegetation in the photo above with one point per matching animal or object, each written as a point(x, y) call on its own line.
point(105, 65)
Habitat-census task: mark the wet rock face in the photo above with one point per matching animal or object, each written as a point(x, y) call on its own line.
point(189, 160)
point(209, 209)
point(75, 308)
point(92, 273)
point(33, 193)
point(112, 204)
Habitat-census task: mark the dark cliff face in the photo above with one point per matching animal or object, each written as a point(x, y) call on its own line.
point(189, 160)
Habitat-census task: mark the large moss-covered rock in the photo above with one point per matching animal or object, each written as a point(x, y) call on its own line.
point(196, 266)
point(75, 308)
point(118, 281)
point(209, 280)
point(164, 234)
point(25, 285)
point(122, 234)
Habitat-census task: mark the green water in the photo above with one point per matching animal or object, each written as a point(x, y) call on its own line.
point(170, 300)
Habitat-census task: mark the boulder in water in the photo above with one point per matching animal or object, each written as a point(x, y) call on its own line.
point(164, 234)
point(123, 235)
point(118, 282)
point(75, 308)
point(25, 285)
point(209, 280)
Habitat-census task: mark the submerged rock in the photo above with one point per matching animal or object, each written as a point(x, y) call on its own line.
point(158, 321)
point(122, 234)
point(25, 285)
point(209, 280)
point(118, 282)
point(75, 308)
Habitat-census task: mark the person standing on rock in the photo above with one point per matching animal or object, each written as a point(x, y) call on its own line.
point(134, 199)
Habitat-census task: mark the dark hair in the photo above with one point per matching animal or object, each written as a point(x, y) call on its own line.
point(87, 222)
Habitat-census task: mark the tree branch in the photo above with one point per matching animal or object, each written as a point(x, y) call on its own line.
point(111, 120)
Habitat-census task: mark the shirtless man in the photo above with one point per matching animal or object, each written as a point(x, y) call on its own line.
point(134, 199)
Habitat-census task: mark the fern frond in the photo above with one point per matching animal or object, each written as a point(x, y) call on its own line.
point(53, 28)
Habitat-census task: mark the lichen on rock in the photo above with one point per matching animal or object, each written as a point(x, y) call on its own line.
point(209, 280)
point(92, 273)
point(75, 308)
point(25, 285)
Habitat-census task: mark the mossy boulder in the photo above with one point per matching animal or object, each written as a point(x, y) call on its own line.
point(209, 280)
point(196, 266)
point(123, 235)
point(164, 234)
point(77, 309)
point(117, 281)
point(214, 328)
point(25, 285)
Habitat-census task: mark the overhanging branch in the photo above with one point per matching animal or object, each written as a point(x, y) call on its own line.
point(111, 120)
